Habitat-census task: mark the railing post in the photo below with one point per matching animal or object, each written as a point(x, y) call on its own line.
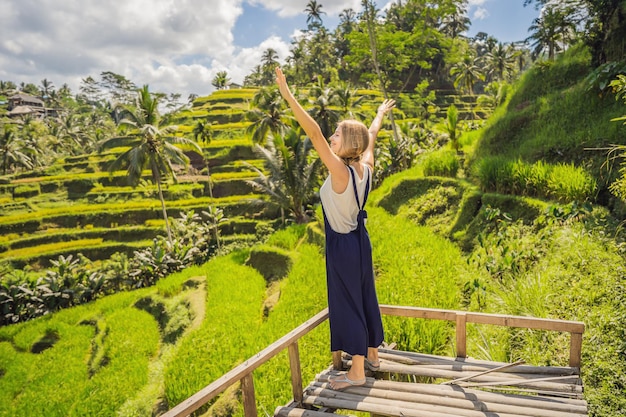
point(337, 362)
point(296, 373)
point(249, 400)
point(575, 349)
point(461, 332)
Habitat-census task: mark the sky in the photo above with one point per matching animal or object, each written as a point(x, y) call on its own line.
point(178, 46)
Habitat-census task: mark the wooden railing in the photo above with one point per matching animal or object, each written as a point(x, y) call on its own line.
point(243, 372)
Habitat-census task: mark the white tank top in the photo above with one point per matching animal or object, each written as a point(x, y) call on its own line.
point(341, 209)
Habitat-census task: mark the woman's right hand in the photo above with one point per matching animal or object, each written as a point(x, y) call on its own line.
point(281, 81)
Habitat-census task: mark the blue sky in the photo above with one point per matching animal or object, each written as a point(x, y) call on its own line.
point(507, 20)
point(179, 46)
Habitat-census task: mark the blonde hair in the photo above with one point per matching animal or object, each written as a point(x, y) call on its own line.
point(355, 138)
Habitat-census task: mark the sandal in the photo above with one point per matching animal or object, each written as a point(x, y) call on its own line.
point(372, 366)
point(343, 379)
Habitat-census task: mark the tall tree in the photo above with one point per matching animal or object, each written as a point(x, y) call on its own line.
point(221, 80)
point(551, 32)
point(267, 114)
point(151, 146)
point(12, 153)
point(292, 173)
point(314, 15)
point(499, 62)
point(203, 133)
point(467, 73)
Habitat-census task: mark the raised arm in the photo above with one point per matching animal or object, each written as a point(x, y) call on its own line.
point(383, 109)
point(334, 164)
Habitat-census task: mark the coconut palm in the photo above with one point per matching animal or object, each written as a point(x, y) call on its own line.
point(314, 14)
point(267, 114)
point(11, 151)
point(203, 133)
point(499, 62)
point(292, 173)
point(455, 24)
point(323, 98)
point(551, 31)
point(221, 80)
point(269, 61)
point(349, 100)
point(151, 146)
point(467, 73)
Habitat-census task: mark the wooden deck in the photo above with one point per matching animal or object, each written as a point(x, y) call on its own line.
point(415, 384)
point(480, 389)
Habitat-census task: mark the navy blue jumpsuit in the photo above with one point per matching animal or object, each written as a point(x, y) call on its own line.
point(354, 315)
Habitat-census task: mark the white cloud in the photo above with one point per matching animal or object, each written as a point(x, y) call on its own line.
point(474, 3)
point(287, 8)
point(480, 14)
point(173, 46)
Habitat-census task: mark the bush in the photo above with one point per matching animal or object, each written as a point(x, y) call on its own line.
point(443, 163)
point(568, 183)
point(271, 262)
point(26, 191)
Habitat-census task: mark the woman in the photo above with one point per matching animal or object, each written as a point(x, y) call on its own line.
point(355, 322)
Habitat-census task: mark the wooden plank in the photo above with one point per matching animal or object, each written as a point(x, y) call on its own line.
point(296, 372)
point(217, 387)
point(249, 400)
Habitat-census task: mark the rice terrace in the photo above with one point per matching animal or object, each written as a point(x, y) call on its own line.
point(161, 258)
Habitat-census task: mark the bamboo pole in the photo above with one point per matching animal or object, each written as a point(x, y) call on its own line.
point(414, 358)
point(510, 379)
point(455, 406)
point(516, 382)
point(499, 368)
point(375, 387)
point(300, 412)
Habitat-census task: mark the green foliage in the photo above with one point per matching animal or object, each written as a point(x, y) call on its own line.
point(561, 182)
point(271, 262)
point(442, 162)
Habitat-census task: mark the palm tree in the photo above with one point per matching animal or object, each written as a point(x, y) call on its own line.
point(455, 24)
point(467, 73)
point(47, 87)
point(451, 126)
point(348, 99)
point(314, 14)
point(203, 133)
point(11, 151)
point(292, 173)
point(322, 112)
point(269, 60)
point(266, 115)
point(151, 145)
point(221, 80)
point(551, 31)
point(499, 62)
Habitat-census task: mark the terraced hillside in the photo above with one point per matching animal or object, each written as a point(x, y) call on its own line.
point(77, 205)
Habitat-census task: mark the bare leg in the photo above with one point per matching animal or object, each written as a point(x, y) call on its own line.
point(372, 355)
point(355, 374)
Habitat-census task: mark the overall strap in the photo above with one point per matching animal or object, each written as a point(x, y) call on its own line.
point(367, 188)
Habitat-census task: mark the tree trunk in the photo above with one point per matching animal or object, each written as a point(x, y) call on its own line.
point(157, 178)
